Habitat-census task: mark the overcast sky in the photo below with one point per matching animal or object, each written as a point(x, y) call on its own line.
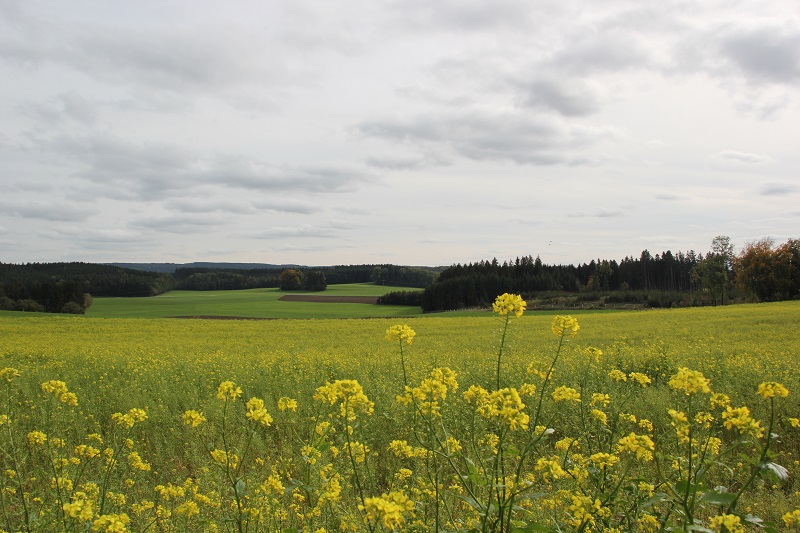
point(414, 132)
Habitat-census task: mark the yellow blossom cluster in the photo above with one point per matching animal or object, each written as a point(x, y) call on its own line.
point(504, 404)
point(772, 389)
point(193, 418)
point(349, 394)
point(400, 333)
point(506, 304)
point(257, 412)
point(388, 509)
point(59, 390)
point(228, 391)
point(127, 420)
point(430, 392)
point(565, 325)
point(690, 381)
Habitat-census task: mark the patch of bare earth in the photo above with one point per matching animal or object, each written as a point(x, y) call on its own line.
point(329, 299)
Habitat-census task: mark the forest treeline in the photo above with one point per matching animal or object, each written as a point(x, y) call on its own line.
point(760, 272)
point(69, 287)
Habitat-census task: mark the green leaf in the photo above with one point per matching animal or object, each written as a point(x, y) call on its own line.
point(533, 526)
point(718, 498)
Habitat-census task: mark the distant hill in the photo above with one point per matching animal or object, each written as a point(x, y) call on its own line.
point(172, 267)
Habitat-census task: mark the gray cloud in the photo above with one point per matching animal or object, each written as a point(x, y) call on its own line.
point(768, 53)
point(179, 223)
point(301, 231)
point(741, 157)
point(777, 189)
point(50, 211)
point(151, 171)
point(566, 97)
point(523, 139)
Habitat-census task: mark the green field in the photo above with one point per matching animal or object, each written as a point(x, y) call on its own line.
point(252, 303)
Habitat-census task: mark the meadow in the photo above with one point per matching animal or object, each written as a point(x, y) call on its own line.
point(631, 421)
point(251, 303)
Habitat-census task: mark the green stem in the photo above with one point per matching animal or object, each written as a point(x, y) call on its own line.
point(502, 346)
point(757, 466)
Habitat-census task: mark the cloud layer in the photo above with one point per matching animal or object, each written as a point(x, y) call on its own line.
point(409, 132)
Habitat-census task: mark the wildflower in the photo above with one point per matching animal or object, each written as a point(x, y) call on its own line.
point(37, 437)
point(563, 325)
point(617, 375)
point(681, 424)
point(641, 445)
point(135, 460)
point(111, 523)
point(130, 418)
point(506, 405)
point(720, 400)
point(4, 419)
point(641, 379)
point(285, 403)
point(792, 518)
point(228, 391)
point(193, 418)
point(600, 398)
point(689, 381)
point(9, 374)
point(223, 458)
point(566, 443)
point(795, 422)
point(400, 333)
point(771, 389)
point(389, 509)
point(600, 416)
point(603, 460)
point(257, 413)
point(648, 523)
point(527, 389)
point(564, 393)
point(79, 508)
point(728, 522)
point(593, 353)
point(170, 491)
point(349, 393)
point(187, 509)
point(431, 391)
point(84, 450)
point(550, 468)
point(509, 303)
point(740, 419)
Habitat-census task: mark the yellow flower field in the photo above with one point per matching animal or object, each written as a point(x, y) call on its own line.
point(626, 421)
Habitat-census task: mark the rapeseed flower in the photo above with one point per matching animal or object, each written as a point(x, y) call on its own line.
point(739, 418)
point(130, 418)
point(349, 394)
point(388, 509)
point(37, 437)
point(564, 393)
point(8, 374)
point(257, 412)
point(792, 518)
point(79, 508)
point(565, 325)
point(641, 445)
point(193, 418)
point(400, 333)
point(287, 404)
point(228, 391)
point(509, 303)
point(111, 523)
point(771, 389)
point(690, 381)
point(728, 523)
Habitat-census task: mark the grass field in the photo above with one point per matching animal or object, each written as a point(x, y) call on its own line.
point(308, 470)
point(253, 303)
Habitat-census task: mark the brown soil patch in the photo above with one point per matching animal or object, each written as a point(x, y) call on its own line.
point(329, 299)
